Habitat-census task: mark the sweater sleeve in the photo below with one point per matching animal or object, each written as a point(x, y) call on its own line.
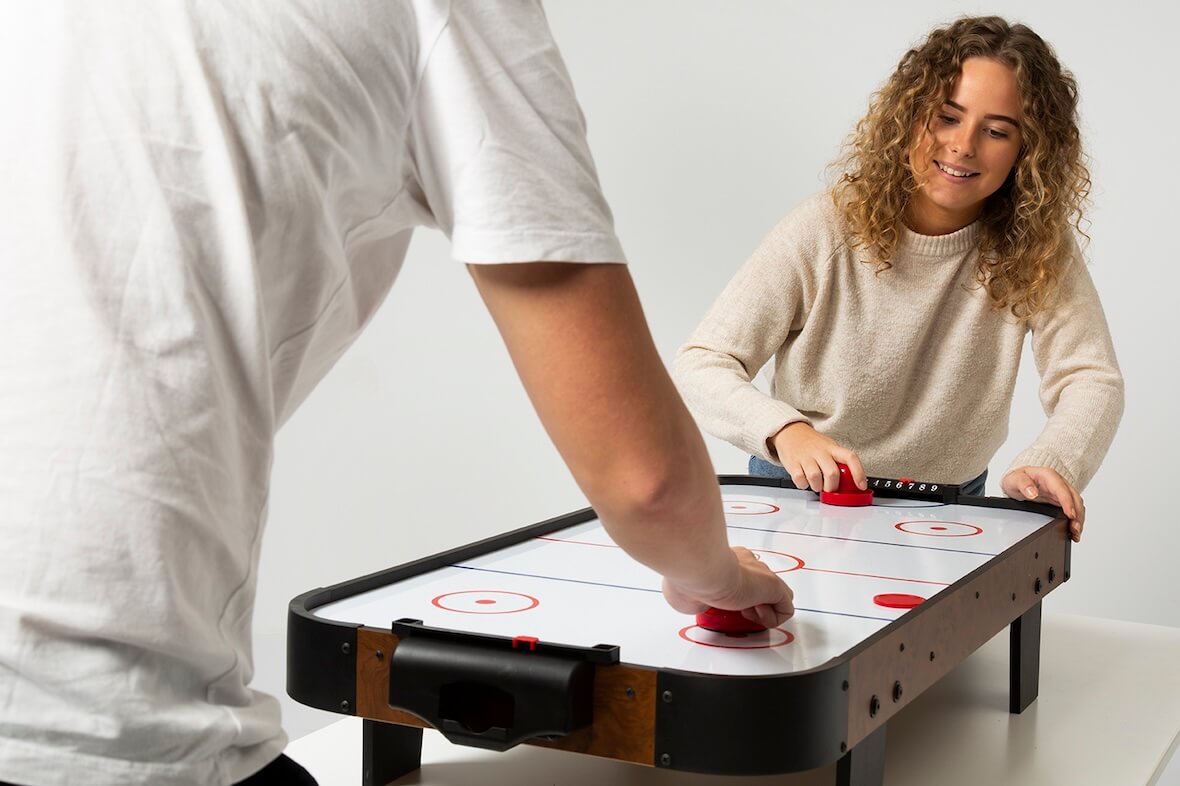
point(752, 318)
point(1081, 385)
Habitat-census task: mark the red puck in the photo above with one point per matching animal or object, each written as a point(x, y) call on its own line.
point(847, 494)
point(726, 621)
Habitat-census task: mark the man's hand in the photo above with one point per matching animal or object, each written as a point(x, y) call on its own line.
point(1042, 484)
point(757, 592)
point(582, 348)
point(810, 458)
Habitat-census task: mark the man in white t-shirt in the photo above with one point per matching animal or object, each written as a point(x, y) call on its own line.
point(203, 204)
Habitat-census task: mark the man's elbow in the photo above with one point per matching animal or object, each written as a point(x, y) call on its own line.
point(659, 494)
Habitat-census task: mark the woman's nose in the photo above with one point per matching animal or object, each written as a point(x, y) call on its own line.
point(961, 143)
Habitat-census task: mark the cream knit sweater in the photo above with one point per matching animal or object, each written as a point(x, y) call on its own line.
point(912, 368)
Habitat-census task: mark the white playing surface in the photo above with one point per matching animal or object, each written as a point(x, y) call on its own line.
point(576, 587)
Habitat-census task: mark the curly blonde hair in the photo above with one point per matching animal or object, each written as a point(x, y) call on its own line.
point(1025, 232)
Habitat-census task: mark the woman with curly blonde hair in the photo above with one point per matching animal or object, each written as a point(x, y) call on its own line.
point(895, 307)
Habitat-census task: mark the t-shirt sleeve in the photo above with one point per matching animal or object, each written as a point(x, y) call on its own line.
point(498, 142)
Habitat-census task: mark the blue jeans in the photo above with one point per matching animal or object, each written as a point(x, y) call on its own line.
point(764, 469)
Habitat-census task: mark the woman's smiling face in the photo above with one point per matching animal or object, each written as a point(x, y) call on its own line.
point(968, 150)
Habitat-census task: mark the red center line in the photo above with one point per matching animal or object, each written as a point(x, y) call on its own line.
point(578, 542)
point(816, 570)
point(875, 576)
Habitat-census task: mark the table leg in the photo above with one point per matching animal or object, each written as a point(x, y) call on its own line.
point(389, 752)
point(1024, 661)
point(864, 765)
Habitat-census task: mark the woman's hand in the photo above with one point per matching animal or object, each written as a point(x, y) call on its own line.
point(1042, 484)
point(810, 458)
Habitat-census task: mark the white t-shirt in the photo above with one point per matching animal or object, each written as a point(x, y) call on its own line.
point(203, 203)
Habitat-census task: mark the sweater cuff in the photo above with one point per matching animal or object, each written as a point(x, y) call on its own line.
point(1040, 457)
point(764, 422)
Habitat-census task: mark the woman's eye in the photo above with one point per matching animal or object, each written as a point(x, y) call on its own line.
point(946, 119)
point(996, 133)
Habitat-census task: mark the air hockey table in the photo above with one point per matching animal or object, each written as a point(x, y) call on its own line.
point(551, 635)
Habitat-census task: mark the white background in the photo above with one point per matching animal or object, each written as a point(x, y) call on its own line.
point(709, 121)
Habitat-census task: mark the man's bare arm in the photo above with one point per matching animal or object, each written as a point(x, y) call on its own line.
point(581, 346)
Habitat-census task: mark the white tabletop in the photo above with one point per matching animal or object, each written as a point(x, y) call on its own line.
point(577, 587)
point(1108, 713)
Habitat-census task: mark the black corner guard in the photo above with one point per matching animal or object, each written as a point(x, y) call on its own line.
point(321, 657)
point(493, 692)
point(762, 725)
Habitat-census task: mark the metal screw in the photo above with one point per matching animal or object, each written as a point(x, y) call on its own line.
point(345, 706)
point(1037, 586)
point(379, 655)
point(901, 648)
point(629, 691)
point(845, 685)
point(667, 697)
point(897, 691)
point(1013, 596)
point(665, 760)
point(874, 707)
point(931, 654)
point(1052, 575)
point(345, 648)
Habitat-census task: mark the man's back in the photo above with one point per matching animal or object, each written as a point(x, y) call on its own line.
point(204, 203)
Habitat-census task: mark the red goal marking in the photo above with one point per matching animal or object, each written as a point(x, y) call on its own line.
point(748, 507)
point(939, 529)
point(768, 639)
point(897, 600)
point(774, 562)
point(485, 602)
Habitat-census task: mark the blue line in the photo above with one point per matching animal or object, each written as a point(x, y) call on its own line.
point(640, 589)
point(859, 540)
point(846, 614)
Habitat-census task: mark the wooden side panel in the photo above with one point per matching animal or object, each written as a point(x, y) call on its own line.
point(374, 649)
point(624, 726)
point(624, 704)
point(899, 666)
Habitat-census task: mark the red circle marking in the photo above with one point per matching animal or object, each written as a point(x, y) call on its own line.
point(719, 638)
point(745, 507)
point(798, 562)
point(897, 600)
point(943, 531)
point(440, 602)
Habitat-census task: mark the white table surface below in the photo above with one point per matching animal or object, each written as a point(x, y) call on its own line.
point(1108, 713)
